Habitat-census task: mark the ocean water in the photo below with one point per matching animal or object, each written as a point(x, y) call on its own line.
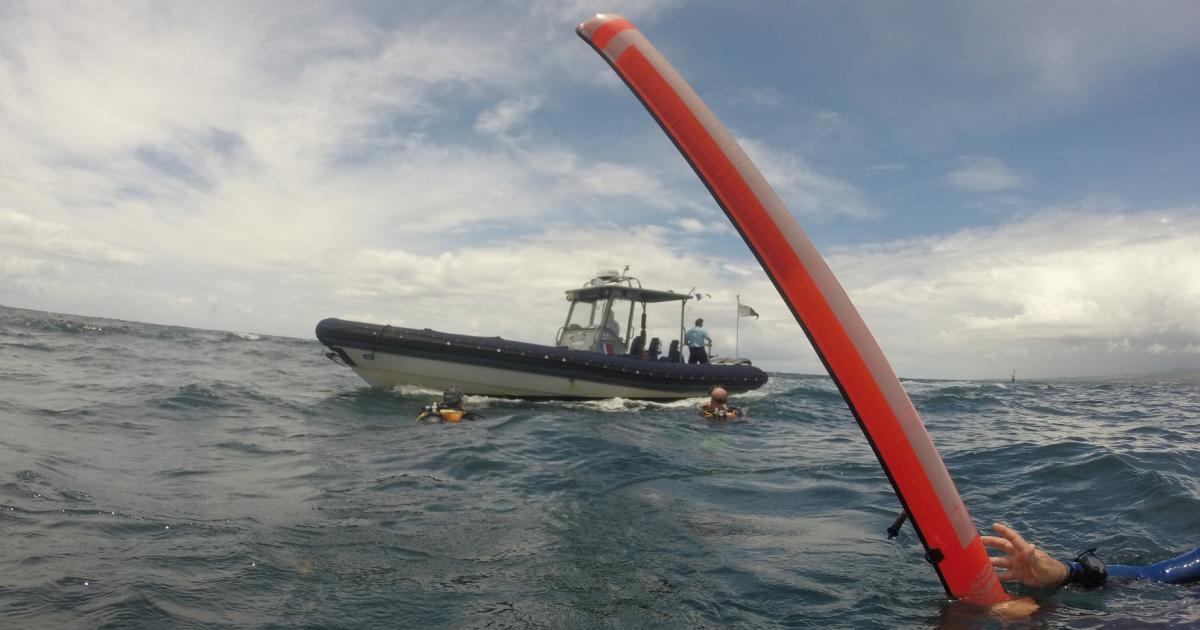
point(164, 477)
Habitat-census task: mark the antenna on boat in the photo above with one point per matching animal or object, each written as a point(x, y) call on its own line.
point(683, 317)
point(611, 276)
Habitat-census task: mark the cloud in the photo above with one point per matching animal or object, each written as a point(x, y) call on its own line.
point(251, 168)
point(1089, 278)
point(227, 142)
point(19, 268)
point(984, 174)
point(1119, 346)
point(803, 188)
point(1075, 290)
point(22, 232)
point(506, 115)
point(117, 77)
point(207, 134)
point(178, 125)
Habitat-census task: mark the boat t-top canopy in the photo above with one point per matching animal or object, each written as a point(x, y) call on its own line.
point(602, 317)
point(622, 292)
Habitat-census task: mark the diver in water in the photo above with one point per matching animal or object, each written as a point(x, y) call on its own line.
point(449, 410)
point(717, 407)
point(1025, 563)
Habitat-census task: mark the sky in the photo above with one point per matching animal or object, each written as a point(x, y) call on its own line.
point(999, 187)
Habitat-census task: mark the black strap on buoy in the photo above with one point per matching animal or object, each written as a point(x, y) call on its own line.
point(1087, 570)
point(894, 530)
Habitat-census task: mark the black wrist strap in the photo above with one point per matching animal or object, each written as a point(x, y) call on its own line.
point(1087, 570)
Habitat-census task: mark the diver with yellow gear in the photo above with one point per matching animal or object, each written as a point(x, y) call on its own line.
point(449, 410)
point(718, 408)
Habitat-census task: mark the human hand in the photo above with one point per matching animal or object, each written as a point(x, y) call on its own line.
point(1025, 563)
point(1016, 608)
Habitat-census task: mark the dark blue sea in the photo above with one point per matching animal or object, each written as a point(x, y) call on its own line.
point(163, 477)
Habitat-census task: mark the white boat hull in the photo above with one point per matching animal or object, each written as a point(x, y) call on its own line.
point(386, 356)
point(389, 370)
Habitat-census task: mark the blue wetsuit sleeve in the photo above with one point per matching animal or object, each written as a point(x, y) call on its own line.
point(1129, 572)
point(1177, 570)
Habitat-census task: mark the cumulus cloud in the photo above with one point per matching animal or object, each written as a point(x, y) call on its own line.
point(1075, 290)
point(1082, 280)
point(245, 137)
point(226, 143)
point(984, 174)
point(208, 132)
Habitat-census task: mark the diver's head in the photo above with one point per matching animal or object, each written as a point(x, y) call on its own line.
point(699, 321)
point(452, 397)
point(719, 395)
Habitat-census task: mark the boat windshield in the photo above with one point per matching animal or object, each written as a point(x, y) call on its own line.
point(585, 314)
point(611, 317)
point(589, 315)
point(615, 317)
point(619, 318)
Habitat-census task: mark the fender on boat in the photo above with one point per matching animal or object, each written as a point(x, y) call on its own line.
point(837, 332)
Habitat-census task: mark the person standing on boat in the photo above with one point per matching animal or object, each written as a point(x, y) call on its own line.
point(698, 343)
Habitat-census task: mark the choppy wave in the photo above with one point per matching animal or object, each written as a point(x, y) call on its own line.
point(155, 476)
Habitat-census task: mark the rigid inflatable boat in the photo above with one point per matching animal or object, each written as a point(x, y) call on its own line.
point(590, 358)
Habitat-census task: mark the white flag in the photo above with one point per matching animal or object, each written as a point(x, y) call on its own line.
point(746, 311)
